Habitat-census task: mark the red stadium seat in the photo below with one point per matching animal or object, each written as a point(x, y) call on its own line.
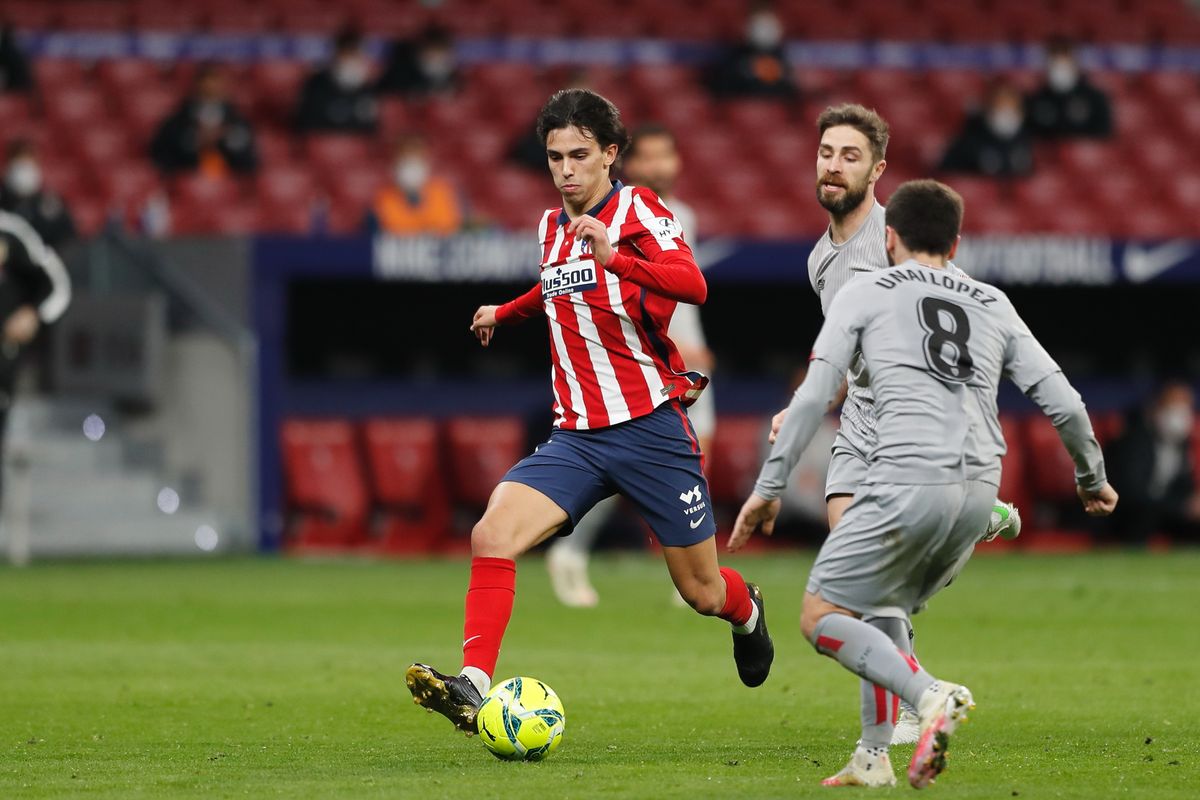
point(480, 451)
point(284, 183)
point(146, 108)
point(93, 15)
point(334, 152)
point(204, 191)
point(155, 15)
point(30, 14)
point(326, 488)
point(407, 480)
point(126, 185)
point(735, 458)
point(75, 106)
point(1051, 471)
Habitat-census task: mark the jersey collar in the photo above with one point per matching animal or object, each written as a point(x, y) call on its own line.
point(563, 219)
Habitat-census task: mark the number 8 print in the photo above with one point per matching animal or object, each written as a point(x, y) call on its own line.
point(962, 368)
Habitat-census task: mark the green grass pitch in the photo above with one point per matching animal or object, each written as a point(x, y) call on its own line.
point(280, 678)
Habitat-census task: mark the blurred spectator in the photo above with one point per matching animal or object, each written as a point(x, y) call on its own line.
point(339, 96)
point(206, 132)
point(15, 75)
point(1067, 104)
point(24, 194)
point(994, 140)
point(756, 67)
point(416, 200)
point(425, 65)
point(1152, 469)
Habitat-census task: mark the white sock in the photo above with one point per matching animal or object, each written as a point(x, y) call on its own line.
point(481, 679)
point(751, 623)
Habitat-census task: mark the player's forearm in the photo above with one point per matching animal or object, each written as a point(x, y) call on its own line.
point(1063, 405)
point(672, 274)
point(526, 306)
point(804, 415)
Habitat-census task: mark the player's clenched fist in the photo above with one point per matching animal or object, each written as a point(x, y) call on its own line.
point(755, 511)
point(595, 233)
point(484, 324)
point(1100, 503)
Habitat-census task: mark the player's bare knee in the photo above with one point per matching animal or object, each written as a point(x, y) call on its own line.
point(491, 540)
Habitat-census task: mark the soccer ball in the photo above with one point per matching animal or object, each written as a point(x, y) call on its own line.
point(521, 720)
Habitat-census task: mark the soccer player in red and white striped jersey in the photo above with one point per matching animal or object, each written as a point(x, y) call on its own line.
point(614, 264)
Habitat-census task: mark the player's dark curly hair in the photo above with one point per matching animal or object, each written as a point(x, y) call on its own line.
point(926, 215)
point(592, 114)
point(864, 120)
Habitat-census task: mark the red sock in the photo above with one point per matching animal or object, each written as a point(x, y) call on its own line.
point(738, 605)
point(489, 607)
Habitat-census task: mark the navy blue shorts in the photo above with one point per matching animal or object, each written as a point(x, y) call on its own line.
point(653, 461)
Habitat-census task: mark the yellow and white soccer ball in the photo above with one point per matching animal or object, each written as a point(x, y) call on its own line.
point(521, 719)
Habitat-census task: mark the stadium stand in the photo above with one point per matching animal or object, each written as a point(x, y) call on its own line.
point(101, 113)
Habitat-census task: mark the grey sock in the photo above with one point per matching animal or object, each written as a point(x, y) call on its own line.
point(583, 539)
point(877, 719)
point(871, 654)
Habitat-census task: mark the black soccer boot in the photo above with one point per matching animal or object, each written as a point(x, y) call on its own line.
point(753, 652)
point(452, 696)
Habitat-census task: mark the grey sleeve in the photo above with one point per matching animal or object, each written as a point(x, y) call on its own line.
point(1026, 362)
point(804, 415)
point(1063, 405)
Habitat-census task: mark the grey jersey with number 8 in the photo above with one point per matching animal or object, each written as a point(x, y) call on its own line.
point(936, 345)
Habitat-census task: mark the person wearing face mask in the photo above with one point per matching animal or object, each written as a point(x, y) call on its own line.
point(1067, 104)
point(1154, 456)
point(415, 201)
point(205, 133)
point(340, 97)
point(426, 65)
point(756, 67)
point(994, 140)
point(23, 194)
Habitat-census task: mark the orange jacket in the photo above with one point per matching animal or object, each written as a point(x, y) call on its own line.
point(436, 210)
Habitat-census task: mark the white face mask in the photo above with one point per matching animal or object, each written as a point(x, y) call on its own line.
point(764, 31)
point(437, 65)
point(1175, 423)
point(210, 113)
point(351, 73)
point(1004, 123)
point(24, 177)
point(1062, 75)
point(411, 173)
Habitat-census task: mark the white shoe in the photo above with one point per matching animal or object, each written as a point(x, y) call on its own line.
point(569, 577)
point(908, 727)
point(864, 769)
point(943, 708)
point(1005, 522)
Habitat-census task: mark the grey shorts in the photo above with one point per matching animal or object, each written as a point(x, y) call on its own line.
point(897, 546)
point(847, 466)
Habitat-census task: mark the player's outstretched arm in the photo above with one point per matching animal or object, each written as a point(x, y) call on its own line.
point(488, 317)
point(1063, 405)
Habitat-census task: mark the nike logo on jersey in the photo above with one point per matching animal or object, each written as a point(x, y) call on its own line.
point(696, 522)
point(473, 638)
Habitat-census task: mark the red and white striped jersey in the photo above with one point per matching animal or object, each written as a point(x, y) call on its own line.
point(612, 360)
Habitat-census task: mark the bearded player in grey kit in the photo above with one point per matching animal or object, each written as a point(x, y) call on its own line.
point(934, 345)
point(851, 157)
